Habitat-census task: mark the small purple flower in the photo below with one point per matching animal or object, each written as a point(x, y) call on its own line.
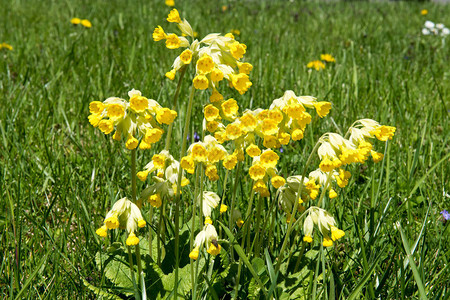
point(188, 137)
point(196, 137)
point(445, 215)
point(281, 150)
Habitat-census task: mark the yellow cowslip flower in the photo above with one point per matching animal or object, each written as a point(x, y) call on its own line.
point(233, 131)
point(102, 231)
point(188, 164)
point(253, 150)
point(200, 82)
point(269, 127)
point(216, 75)
point(132, 239)
point(155, 200)
point(327, 242)
point(159, 161)
point(257, 172)
point(159, 34)
point(241, 82)
point(229, 35)
point(212, 126)
point(208, 235)
point(106, 126)
point(194, 253)
point(174, 16)
point(138, 103)
point(86, 23)
point(376, 156)
point(75, 21)
point(332, 194)
point(96, 107)
point(424, 12)
point(230, 108)
point(276, 115)
point(198, 152)
point(170, 3)
point(6, 46)
point(316, 64)
point(216, 153)
point(215, 96)
point(230, 162)
point(294, 110)
point(223, 208)
point(336, 233)
point(245, 68)
point(211, 172)
point(384, 133)
point(131, 143)
point(238, 50)
point(322, 108)
point(268, 159)
point(342, 178)
point(211, 112)
point(283, 138)
point(186, 56)
point(171, 74)
point(277, 181)
point(173, 41)
point(142, 175)
point(205, 64)
point(208, 220)
point(327, 58)
point(271, 142)
point(224, 8)
point(235, 31)
point(213, 249)
point(165, 115)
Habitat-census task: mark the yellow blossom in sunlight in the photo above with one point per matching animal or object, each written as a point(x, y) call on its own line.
point(138, 103)
point(131, 143)
point(173, 41)
point(223, 208)
point(230, 162)
point(224, 8)
point(245, 68)
point(198, 152)
point(253, 150)
point(277, 181)
point(215, 96)
point(269, 159)
point(327, 58)
point(75, 21)
point(216, 75)
point(327, 242)
point(174, 16)
point(257, 172)
point(211, 173)
point(241, 82)
point(171, 74)
point(384, 133)
point(155, 200)
point(376, 156)
point(159, 34)
point(316, 64)
point(165, 115)
point(238, 50)
point(424, 12)
point(188, 164)
point(170, 2)
point(230, 108)
point(205, 64)
point(186, 56)
point(200, 82)
point(322, 108)
point(86, 23)
point(211, 112)
point(235, 31)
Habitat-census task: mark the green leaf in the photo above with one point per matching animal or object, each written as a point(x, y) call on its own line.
point(116, 269)
point(99, 292)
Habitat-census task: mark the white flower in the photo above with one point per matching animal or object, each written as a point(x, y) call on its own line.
point(425, 31)
point(429, 24)
point(210, 201)
point(440, 26)
point(445, 31)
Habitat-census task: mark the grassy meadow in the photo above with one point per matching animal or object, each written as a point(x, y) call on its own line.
point(59, 175)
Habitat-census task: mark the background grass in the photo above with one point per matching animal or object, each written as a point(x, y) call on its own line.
point(59, 175)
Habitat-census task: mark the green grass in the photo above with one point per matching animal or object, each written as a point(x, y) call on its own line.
point(59, 175)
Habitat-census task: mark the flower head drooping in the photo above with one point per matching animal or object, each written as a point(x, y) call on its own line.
point(326, 224)
point(207, 236)
point(123, 214)
point(137, 118)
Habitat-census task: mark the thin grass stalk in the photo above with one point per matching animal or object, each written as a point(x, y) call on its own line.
point(224, 192)
point(233, 199)
point(174, 106)
point(150, 234)
point(178, 194)
point(258, 220)
point(299, 258)
point(133, 278)
point(202, 178)
point(191, 241)
point(294, 209)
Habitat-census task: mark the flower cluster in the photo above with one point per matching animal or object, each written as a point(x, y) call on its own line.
point(124, 215)
point(320, 64)
point(165, 181)
point(435, 29)
point(138, 117)
point(216, 57)
point(326, 224)
point(207, 236)
point(84, 22)
point(335, 151)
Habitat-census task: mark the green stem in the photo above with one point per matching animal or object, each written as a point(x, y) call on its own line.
point(233, 198)
point(191, 242)
point(258, 220)
point(174, 107)
point(150, 234)
point(133, 175)
point(178, 194)
point(133, 278)
point(200, 218)
point(297, 264)
point(294, 209)
point(325, 188)
point(224, 192)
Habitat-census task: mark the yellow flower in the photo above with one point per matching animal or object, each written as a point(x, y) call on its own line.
point(131, 143)
point(284, 138)
point(223, 208)
point(205, 64)
point(174, 16)
point(216, 75)
point(269, 159)
point(171, 74)
point(115, 111)
point(230, 108)
point(201, 82)
point(211, 172)
point(216, 154)
point(132, 239)
point(322, 108)
point(248, 122)
point(173, 41)
point(294, 111)
point(211, 112)
point(253, 150)
point(316, 64)
point(188, 164)
point(155, 200)
point(332, 194)
point(307, 239)
point(153, 135)
point(277, 181)
point(170, 2)
point(215, 96)
point(212, 126)
point(6, 46)
point(138, 103)
point(102, 231)
point(142, 175)
point(327, 242)
point(235, 31)
point(75, 21)
point(238, 50)
point(271, 142)
point(86, 23)
point(208, 220)
point(198, 152)
point(106, 126)
point(240, 82)
point(376, 156)
point(336, 233)
point(165, 115)
point(194, 253)
point(383, 133)
point(230, 162)
point(159, 161)
point(327, 58)
point(96, 107)
point(233, 131)
point(424, 12)
point(269, 127)
point(159, 34)
point(257, 172)
point(213, 249)
point(245, 68)
point(186, 56)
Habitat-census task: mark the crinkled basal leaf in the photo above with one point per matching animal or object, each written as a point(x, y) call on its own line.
point(101, 294)
point(116, 269)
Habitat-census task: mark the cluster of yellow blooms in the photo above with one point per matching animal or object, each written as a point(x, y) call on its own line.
point(326, 224)
point(319, 64)
point(216, 57)
point(165, 181)
point(124, 215)
point(6, 46)
point(134, 118)
point(84, 22)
